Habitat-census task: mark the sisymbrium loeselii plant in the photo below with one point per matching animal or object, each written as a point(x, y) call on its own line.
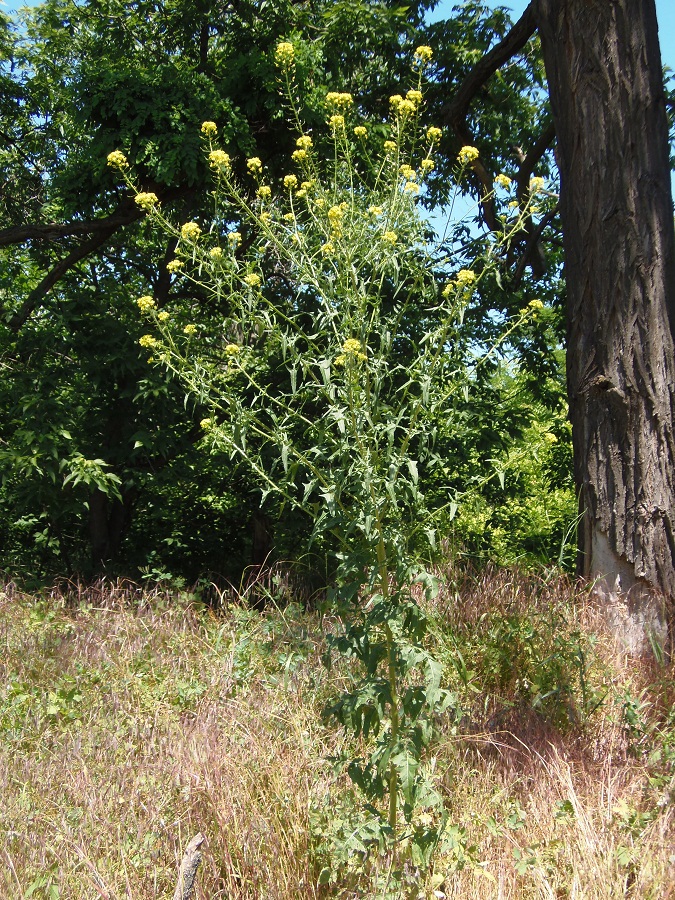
point(332, 348)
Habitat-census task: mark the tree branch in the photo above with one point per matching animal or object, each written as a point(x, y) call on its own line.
point(126, 213)
point(517, 37)
point(33, 300)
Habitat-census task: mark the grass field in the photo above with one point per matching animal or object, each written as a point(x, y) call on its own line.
point(130, 720)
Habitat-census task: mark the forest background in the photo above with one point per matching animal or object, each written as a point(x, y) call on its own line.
point(88, 470)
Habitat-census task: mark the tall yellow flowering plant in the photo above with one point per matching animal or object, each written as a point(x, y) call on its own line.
point(336, 357)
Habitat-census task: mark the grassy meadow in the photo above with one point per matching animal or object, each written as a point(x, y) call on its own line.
point(131, 719)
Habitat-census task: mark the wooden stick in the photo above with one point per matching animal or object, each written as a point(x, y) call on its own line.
point(188, 869)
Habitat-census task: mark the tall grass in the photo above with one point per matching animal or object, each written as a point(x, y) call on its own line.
point(130, 720)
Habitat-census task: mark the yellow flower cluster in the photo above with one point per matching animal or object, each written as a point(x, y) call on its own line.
point(264, 192)
point(175, 265)
point(284, 55)
point(216, 254)
point(254, 165)
point(408, 172)
point(375, 210)
point(411, 188)
point(210, 129)
point(232, 350)
point(290, 182)
point(339, 100)
point(205, 424)
point(535, 304)
point(536, 184)
point(335, 216)
point(467, 155)
point(424, 53)
point(401, 106)
point(336, 121)
point(234, 237)
point(117, 160)
point(351, 350)
point(434, 134)
point(190, 330)
point(162, 316)
point(328, 249)
point(415, 97)
point(299, 155)
point(304, 142)
point(145, 303)
point(463, 279)
point(146, 200)
point(360, 131)
point(389, 146)
point(390, 237)
point(218, 159)
point(427, 165)
point(148, 341)
point(503, 181)
point(252, 279)
point(190, 231)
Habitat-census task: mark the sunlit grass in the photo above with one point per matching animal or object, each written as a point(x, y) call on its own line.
point(131, 721)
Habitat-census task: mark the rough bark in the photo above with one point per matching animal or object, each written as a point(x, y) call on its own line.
point(605, 81)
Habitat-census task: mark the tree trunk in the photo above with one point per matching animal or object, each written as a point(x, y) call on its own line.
point(606, 87)
point(108, 520)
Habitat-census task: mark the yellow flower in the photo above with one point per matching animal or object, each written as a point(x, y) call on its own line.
point(503, 181)
point(375, 210)
point(390, 237)
point(265, 218)
point(351, 351)
point(190, 231)
point(320, 202)
point(467, 155)
point(340, 100)
point(162, 316)
point(408, 172)
point(535, 304)
point(336, 214)
point(252, 279)
point(232, 350)
point(336, 122)
point(117, 160)
point(427, 165)
point(411, 188)
point(513, 204)
point(205, 424)
point(254, 165)
point(550, 438)
point(328, 248)
point(175, 265)
point(306, 185)
point(190, 330)
point(424, 53)
point(218, 159)
point(536, 184)
point(351, 345)
point(210, 129)
point(434, 134)
point(264, 192)
point(290, 182)
point(146, 201)
point(284, 55)
point(304, 142)
point(395, 100)
point(148, 341)
point(145, 303)
point(299, 155)
point(389, 146)
point(402, 107)
point(415, 97)
point(360, 131)
point(301, 193)
point(289, 217)
point(216, 254)
point(465, 277)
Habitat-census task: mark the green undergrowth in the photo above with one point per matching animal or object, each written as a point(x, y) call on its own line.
point(131, 720)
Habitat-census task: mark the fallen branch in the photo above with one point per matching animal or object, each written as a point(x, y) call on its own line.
point(188, 869)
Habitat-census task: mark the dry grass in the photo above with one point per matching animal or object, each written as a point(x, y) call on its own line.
point(129, 721)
